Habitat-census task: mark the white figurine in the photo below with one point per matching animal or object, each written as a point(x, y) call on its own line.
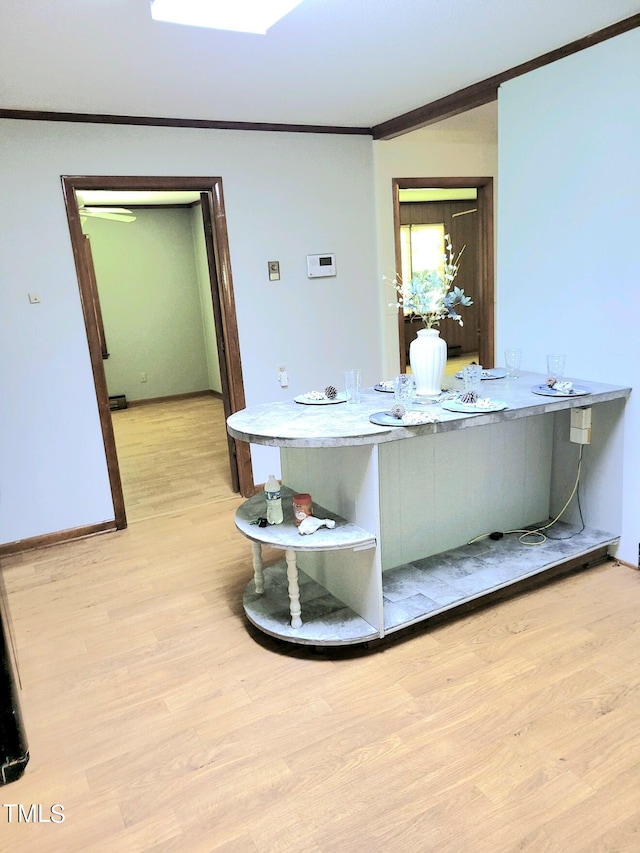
point(310, 524)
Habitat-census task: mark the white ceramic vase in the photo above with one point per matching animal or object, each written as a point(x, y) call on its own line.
point(428, 357)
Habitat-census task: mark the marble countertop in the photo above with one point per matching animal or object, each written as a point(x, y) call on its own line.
point(291, 424)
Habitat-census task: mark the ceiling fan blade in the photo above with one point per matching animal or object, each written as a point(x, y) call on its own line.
point(117, 214)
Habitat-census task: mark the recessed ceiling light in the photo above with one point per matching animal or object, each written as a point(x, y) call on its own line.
point(245, 16)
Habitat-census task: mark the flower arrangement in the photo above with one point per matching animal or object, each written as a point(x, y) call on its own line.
point(431, 295)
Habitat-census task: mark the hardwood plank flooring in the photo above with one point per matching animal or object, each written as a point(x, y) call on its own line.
point(173, 455)
point(456, 363)
point(163, 723)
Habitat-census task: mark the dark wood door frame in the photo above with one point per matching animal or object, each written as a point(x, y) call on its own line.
point(219, 262)
point(486, 270)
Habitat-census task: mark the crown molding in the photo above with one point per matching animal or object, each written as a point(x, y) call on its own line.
point(161, 121)
point(486, 91)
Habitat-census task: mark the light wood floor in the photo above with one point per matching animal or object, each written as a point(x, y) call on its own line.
point(173, 455)
point(162, 723)
point(455, 364)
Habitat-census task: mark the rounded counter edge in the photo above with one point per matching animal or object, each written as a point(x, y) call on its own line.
point(385, 434)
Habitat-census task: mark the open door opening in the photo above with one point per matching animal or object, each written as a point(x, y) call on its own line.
point(222, 299)
point(464, 206)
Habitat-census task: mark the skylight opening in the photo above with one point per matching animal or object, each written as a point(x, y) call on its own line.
point(245, 16)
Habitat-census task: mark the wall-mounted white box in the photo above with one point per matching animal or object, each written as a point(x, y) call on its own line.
point(321, 266)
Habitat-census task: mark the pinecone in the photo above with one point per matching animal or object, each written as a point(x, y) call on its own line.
point(469, 397)
point(330, 392)
point(398, 411)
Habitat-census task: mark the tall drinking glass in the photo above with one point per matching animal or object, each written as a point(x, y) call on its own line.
point(512, 359)
point(352, 385)
point(471, 376)
point(404, 389)
point(555, 366)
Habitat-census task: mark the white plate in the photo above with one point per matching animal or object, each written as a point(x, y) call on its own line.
point(325, 401)
point(472, 408)
point(427, 401)
point(489, 373)
point(385, 419)
point(388, 389)
point(546, 391)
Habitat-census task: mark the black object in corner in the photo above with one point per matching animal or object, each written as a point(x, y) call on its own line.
point(14, 750)
point(118, 401)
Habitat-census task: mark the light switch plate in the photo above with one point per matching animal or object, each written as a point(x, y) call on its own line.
point(274, 270)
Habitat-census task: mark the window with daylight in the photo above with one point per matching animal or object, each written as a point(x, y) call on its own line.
point(245, 16)
point(421, 248)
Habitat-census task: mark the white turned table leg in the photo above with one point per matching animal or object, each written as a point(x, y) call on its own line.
point(258, 574)
point(294, 589)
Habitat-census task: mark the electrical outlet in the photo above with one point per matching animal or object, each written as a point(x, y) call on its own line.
point(580, 429)
point(143, 377)
point(581, 417)
point(580, 436)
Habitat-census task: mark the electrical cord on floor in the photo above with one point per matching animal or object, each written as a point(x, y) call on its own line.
point(538, 531)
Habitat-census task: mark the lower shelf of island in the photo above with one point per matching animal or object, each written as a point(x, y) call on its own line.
point(425, 589)
point(343, 535)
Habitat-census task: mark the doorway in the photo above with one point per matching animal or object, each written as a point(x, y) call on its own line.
point(223, 306)
point(477, 214)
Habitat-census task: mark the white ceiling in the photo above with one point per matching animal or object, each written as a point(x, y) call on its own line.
point(132, 198)
point(353, 63)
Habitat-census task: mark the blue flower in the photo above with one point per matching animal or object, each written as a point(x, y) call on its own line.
point(431, 294)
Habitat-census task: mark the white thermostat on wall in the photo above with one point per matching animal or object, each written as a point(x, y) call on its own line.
point(321, 266)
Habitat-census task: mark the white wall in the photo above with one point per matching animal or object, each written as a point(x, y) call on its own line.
point(440, 150)
point(286, 195)
point(568, 264)
point(150, 301)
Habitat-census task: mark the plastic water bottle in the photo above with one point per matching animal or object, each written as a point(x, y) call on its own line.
point(274, 500)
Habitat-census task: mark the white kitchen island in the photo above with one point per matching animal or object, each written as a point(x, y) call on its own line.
point(409, 500)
